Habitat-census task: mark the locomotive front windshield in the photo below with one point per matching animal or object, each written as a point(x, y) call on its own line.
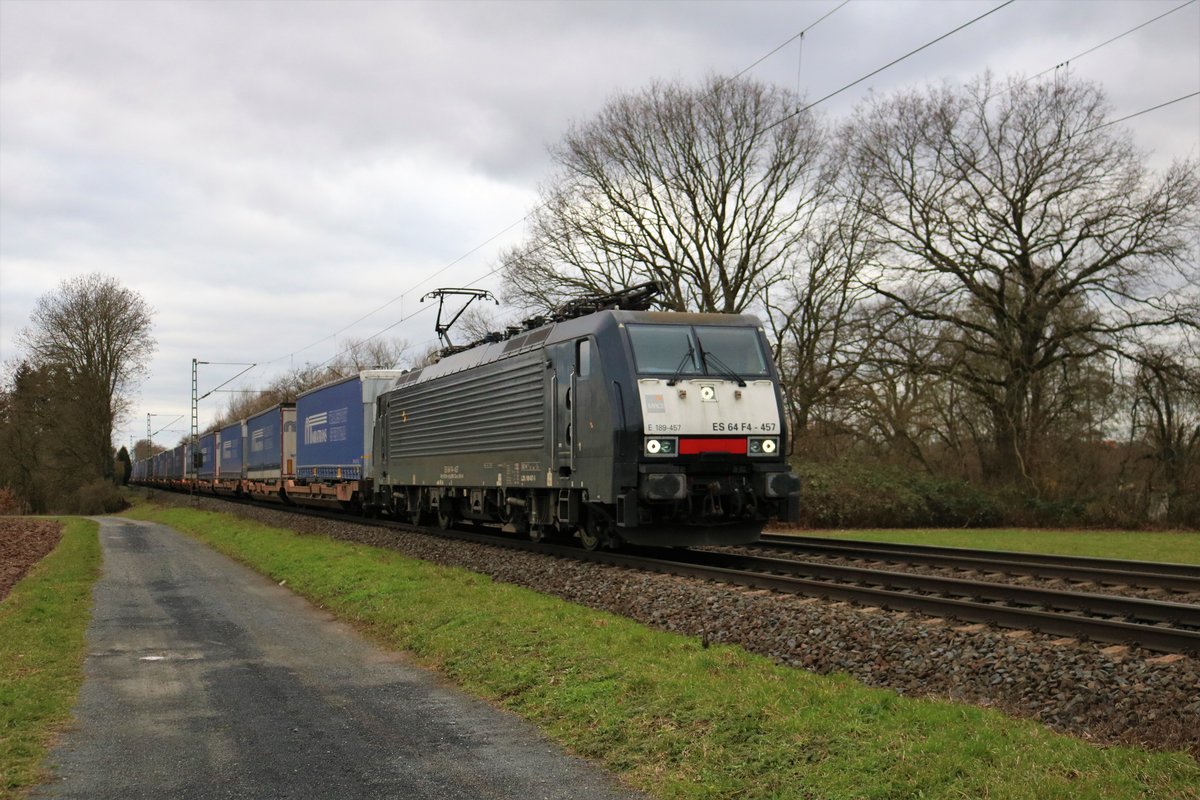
point(697, 350)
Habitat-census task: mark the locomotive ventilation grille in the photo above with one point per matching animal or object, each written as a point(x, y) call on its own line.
point(497, 407)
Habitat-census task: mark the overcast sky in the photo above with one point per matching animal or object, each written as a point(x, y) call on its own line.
point(265, 173)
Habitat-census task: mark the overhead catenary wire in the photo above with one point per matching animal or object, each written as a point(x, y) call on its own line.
point(421, 310)
point(167, 426)
point(1179, 99)
point(784, 44)
point(407, 291)
point(226, 383)
point(1107, 42)
point(894, 62)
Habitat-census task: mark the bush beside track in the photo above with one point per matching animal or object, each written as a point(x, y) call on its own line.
point(670, 715)
point(850, 494)
point(42, 624)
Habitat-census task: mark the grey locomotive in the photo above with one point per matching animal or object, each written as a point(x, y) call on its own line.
point(651, 428)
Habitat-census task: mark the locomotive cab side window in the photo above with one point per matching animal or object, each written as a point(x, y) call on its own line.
point(583, 358)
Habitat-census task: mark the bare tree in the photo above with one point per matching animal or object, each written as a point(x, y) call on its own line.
point(478, 321)
point(896, 390)
point(359, 354)
point(706, 190)
point(821, 330)
point(1029, 228)
point(97, 334)
point(1166, 414)
point(145, 448)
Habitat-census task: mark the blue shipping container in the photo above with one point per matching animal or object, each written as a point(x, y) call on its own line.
point(336, 426)
point(208, 450)
point(232, 458)
point(178, 463)
point(271, 442)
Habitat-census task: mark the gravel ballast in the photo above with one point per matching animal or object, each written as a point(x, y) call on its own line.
point(1105, 694)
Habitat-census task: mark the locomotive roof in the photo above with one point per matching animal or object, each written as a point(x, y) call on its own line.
point(565, 330)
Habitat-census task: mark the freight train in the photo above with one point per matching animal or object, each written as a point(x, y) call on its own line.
point(607, 422)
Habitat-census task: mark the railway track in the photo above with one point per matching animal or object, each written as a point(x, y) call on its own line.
point(1154, 625)
point(1099, 571)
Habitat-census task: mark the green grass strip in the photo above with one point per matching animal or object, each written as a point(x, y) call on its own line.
point(42, 647)
point(1174, 546)
point(674, 718)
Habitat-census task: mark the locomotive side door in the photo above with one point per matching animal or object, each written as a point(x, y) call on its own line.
point(562, 378)
point(593, 420)
point(582, 426)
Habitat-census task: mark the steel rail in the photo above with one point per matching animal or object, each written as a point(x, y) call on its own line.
point(1153, 574)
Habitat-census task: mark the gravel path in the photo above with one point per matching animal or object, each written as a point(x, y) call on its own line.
point(206, 680)
point(1106, 694)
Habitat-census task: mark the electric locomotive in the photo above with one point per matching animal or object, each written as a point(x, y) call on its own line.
point(607, 421)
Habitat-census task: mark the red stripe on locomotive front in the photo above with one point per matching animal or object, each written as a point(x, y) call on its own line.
point(692, 447)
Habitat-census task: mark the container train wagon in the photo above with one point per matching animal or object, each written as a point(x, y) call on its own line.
point(616, 426)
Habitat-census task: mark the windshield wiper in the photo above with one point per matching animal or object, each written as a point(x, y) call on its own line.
point(689, 356)
point(722, 367)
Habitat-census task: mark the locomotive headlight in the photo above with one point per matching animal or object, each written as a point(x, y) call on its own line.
point(708, 394)
point(762, 446)
point(661, 447)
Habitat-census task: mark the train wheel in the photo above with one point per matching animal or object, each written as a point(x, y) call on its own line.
point(589, 539)
point(596, 531)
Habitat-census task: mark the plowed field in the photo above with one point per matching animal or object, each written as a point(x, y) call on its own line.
point(23, 542)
